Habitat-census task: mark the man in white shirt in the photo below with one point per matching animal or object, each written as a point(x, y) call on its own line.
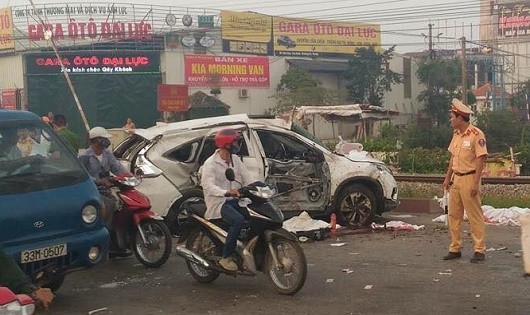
point(220, 193)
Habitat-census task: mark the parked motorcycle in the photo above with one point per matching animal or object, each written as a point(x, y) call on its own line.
point(264, 246)
point(137, 227)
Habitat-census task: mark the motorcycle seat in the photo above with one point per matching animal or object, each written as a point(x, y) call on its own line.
point(197, 208)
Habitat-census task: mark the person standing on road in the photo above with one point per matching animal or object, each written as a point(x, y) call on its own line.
point(217, 187)
point(60, 125)
point(468, 155)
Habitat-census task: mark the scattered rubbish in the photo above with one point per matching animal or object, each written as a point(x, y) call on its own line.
point(112, 285)
point(435, 280)
point(445, 273)
point(402, 265)
point(337, 244)
point(491, 249)
point(304, 226)
point(477, 295)
point(97, 311)
point(347, 270)
point(303, 239)
point(368, 287)
point(329, 280)
point(502, 248)
point(397, 226)
point(517, 255)
point(353, 253)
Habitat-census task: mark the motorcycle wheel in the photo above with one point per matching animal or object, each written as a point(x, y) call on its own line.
point(202, 244)
point(157, 249)
point(290, 277)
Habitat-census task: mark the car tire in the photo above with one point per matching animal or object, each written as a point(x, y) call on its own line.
point(356, 206)
point(176, 216)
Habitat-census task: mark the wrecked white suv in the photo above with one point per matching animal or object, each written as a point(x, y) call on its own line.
point(304, 173)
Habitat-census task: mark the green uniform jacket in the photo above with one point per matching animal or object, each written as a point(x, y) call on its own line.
point(12, 276)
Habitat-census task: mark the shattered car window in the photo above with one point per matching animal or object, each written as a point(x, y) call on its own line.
point(280, 146)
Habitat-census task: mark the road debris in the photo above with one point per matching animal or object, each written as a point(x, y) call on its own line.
point(397, 226)
point(347, 270)
point(368, 287)
point(337, 244)
point(329, 280)
point(97, 311)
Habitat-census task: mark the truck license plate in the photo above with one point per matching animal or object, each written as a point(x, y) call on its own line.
point(43, 253)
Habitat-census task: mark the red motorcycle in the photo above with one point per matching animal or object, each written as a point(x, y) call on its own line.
point(137, 227)
point(15, 304)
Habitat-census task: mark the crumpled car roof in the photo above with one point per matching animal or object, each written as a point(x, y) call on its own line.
point(170, 128)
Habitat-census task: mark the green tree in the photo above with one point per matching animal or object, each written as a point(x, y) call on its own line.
point(298, 88)
point(441, 77)
point(369, 76)
point(519, 98)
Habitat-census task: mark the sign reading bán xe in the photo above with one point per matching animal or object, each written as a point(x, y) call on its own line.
point(226, 71)
point(94, 62)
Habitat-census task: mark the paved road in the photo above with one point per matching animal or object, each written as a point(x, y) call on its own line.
point(404, 270)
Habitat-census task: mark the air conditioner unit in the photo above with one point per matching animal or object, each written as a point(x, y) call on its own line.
point(243, 93)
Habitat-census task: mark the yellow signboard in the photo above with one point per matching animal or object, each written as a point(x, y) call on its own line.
point(6, 29)
point(246, 26)
point(296, 37)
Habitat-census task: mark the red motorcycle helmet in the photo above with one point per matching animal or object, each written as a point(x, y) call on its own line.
point(226, 137)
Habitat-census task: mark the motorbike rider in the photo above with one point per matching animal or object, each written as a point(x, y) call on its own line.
point(100, 162)
point(217, 187)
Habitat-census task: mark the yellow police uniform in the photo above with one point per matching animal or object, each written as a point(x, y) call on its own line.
point(465, 148)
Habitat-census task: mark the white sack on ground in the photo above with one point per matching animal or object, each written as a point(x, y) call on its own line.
point(304, 222)
point(497, 216)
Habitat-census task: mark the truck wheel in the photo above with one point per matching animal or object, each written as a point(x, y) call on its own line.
point(356, 206)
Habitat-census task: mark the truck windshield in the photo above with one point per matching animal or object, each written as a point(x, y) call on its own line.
point(33, 157)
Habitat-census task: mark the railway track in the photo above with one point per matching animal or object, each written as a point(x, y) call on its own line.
point(439, 179)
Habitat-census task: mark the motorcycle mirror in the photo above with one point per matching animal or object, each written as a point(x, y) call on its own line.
point(230, 175)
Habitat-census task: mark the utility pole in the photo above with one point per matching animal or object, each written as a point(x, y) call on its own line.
point(464, 71)
point(431, 50)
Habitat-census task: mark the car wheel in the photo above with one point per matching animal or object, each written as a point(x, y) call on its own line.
point(356, 206)
point(177, 215)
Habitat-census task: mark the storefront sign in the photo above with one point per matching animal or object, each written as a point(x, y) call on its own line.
point(94, 62)
point(302, 37)
point(6, 29)
point(172, 98)
point(9, 99)
point(514, 19)
point(226, 71)
point(246, 32)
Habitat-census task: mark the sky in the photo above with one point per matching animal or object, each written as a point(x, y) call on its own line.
point(404, 23)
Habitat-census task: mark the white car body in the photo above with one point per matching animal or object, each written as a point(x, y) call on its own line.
point(306, 175)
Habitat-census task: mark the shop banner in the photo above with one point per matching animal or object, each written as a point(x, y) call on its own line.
point(514, 19)
point(226, 71)
point(9, 99)
point(246, 32)
point(303, 37)
point(6, 29)
point(94, 62)
point(172, 98)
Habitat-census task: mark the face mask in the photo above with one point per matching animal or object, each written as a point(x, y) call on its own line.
point(235, 147)
point(104, 142)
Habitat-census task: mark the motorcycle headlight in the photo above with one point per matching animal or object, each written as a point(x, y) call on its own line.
point(264, 192)
point(89, 214)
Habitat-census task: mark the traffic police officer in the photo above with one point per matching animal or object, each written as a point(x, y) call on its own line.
point(468, 155)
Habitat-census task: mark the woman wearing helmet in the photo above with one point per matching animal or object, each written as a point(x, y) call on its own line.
point(216, 187)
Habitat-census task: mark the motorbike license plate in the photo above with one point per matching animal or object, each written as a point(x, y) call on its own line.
point(43, 253)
